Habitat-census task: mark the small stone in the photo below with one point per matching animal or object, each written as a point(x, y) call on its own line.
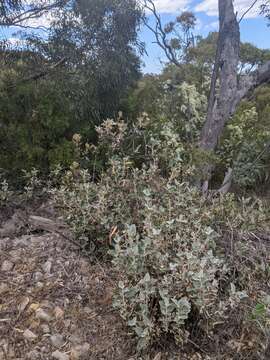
point(38, 276)
point(7, 266)
point(45, 329)
point(24, 302)
point(47, 267)
point(57, 340)
point(87, 310)
point(80, 352)
point(29, 335)
point(39, 284)
point(3, 288)
point(42, 315)
point(44, 349)
point(59, 355)
point(59, 313)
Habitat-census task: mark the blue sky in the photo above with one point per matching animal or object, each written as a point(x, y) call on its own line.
point(253, 28)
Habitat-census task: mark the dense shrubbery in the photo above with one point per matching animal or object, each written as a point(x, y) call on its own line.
point(65, 82)
point(36, 123)
point(245, 142)
point(165, 238)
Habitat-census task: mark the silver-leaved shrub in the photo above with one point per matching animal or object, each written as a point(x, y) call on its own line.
point(176, 252)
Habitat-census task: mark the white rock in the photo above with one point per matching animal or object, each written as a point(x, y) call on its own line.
point(45, 329)
point(7, 266)
point(43, 315)
point(47, 267)
point(44, 349)
point(38, 276)
point(3, 288)
point(57, 340)
point(29, 335)
point(59, 355)
point(39, 284)
point(23, 304)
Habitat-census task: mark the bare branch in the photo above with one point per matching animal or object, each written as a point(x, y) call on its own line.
point(248, 10)
point(160, 34)
point(19, 17)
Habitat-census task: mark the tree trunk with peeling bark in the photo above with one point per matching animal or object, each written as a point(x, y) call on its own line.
point(232, 89)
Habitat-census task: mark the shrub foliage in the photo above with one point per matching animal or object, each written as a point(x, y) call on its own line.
point(167, 242)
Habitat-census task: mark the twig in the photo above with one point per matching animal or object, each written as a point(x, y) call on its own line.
point(247, 11)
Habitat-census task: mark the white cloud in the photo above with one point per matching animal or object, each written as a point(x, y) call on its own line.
point(210, 7)
point(171, 6)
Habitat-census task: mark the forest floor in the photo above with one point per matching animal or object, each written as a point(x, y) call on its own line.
point(53, 303)
point(56, 303)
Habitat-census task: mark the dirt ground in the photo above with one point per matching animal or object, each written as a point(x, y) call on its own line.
point(53, 303)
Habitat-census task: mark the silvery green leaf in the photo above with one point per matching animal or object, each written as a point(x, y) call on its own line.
point(183, 308)
point(121, 285)
point(132, 230)
point(156, 231)
point(242, 295)
point(131, 292)
point(147, 192)
point(147, 277)
point(139, 330)
point(132, 322)
point(266, 300)
point(173, 266)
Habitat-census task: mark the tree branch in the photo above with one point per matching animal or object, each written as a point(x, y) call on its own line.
point(247, 11)
point(31, 13)
point(160, 35)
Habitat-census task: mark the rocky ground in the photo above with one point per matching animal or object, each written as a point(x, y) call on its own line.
point(53, 303)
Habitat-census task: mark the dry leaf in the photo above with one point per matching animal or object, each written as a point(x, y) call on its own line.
point(25, 301)
point(34, 306)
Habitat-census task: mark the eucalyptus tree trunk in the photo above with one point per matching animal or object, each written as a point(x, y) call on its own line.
point(231, 90)
point(220, 105)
